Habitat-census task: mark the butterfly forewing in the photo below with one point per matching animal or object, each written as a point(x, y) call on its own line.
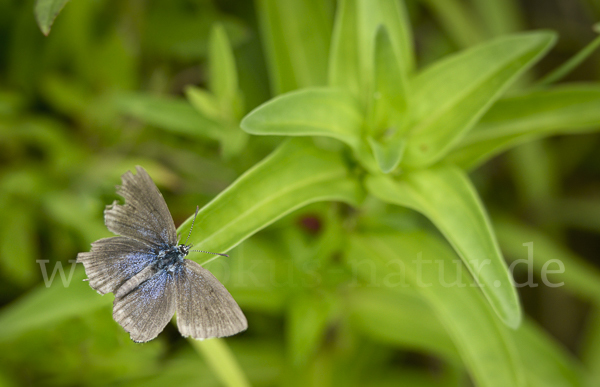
point(145, 215)
point(204, 307)
point(113, 261)
point(145, 311)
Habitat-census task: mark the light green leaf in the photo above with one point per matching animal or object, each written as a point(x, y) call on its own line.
point(431, 269)
point(445, 195)
point(344, 67)
point(220, 359)
point(400, 317)
point(546, 363)
point(309, 112)
point(388, 154)
point(43, 306)
point(223, 79)
point(223, 73)
point(205, 102)
point(527, 117)
point(296, 174)
point(171, 114)
point(472, 80)
point(296, 37)
point(388, 105)
point(46, 11)
point(357, 22)
point(307, 319)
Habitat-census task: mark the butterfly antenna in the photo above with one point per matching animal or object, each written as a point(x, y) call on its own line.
point(208, 252)
point(190, 233)
point(191, 228)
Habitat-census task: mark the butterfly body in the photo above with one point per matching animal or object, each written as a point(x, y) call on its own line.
point(170, 258)
point(147, 271)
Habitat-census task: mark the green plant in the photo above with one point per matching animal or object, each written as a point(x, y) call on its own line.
point(369, 202)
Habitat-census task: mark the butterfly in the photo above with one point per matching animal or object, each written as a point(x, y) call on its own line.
point(146, 269)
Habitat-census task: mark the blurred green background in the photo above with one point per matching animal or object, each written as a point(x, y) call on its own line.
point(119, 83)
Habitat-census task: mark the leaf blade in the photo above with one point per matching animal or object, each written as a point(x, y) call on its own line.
point(267, 192)
point(46, 12)
point(441, 116)
point(445, 195)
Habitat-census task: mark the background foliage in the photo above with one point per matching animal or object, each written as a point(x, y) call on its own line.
point(450, 130)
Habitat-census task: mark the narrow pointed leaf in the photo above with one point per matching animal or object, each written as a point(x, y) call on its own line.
point(46, 11)
point(222, 362)
point(472, 81)
point(483, 342)
point(357, 22)
point(309, 112)
point(527, 117)
point(388, 154)
point(344, 66)
point(400, 317)
point(296, 36)
point(170, 114)
point(445, 195)
point(223, 80)
point(553, 264)
point(389, 103)
point(296, 174)
point(43, 306)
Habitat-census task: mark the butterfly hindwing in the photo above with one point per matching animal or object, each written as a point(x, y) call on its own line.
point(145, 215)
point(204, 307)
point(112, 261)
point(145, 311)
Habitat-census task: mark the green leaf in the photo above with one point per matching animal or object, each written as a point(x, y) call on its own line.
point(388, 105)
point(445, 195)
point(223, 79)
point(43, 306)
point(554, 263)
point(357, 22)
point(450, 96)
point(296, 174)
point(46, 11)
point(220, 359)
point(205, 102)
point(431, 268)
point(458, 21)
point(344, 67)
point(307, 320)
point(296, 37)
point(546, 362)
point(590, 353)
point(388, 154)
point(527, 117)
point(400, 317)
point(18, 250)
point(309, 112)
point(171, 114)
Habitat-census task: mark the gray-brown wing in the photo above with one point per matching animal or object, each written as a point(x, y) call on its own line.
point(204, 307)
point(145, 215)
point(145, 311)
point(112, 261)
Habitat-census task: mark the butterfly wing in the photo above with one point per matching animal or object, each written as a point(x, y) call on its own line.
point(112, 261)
point(145, 311)
point(145, 215)
point(204, 307)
